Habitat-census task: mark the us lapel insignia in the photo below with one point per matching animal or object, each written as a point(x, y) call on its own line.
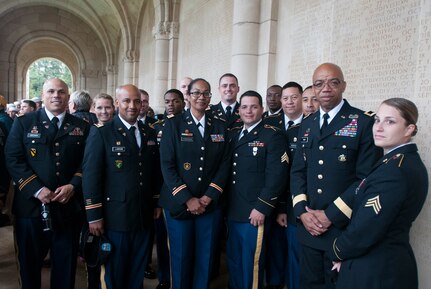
point(187, 166)
point(375, 204)
point(119, 164)
point(33, 152)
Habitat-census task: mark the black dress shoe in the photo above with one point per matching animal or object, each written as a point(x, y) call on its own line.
point(149, 273)
point(163, 286)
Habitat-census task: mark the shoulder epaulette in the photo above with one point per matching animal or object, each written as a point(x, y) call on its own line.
point(399, 157)
point(273, 115)
point(99, 124)
point(159, 121)
point(234, 128)
point(369, 113)
point(170, 115)
point(305, 116)
point(216, 117)
point(270, 126)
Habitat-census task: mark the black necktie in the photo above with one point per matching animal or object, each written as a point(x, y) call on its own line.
point(199, 129)
point(244, 133)
point(133, 135)
point(290, 123)
point(228, 112)
point(325, 122)
point(54, 122)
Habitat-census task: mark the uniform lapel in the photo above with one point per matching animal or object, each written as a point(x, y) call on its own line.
point(67, 127)
point(192, 127)
point(121, 129)
point(341, 119)
point(252, 135)
point(143, 132)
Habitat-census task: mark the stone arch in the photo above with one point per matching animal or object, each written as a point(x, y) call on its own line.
point(35, 45)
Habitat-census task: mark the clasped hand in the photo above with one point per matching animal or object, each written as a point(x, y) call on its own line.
point(315, 221)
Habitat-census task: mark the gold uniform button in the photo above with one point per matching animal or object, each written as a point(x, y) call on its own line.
point(57, 144)
point(140, 173)
point(233, 182)
point(321, 148)
point(108, 198)
point(57, 154)
point(234, 173)
point(203, 148)
point(320, 177)
point(319, 191)
point(57, 174)
point(234, 164)
point(32, 141)
point(202, 158)
point(344, 146)
point(140, 164)
point(118, 154)
point(200, 168)
point(199, 179)
point(320, 162)
point(140, 183)
point(57, 164)
point(236, 154)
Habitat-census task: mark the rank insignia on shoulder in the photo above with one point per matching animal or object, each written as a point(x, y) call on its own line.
point(369, 113)
point(374, 203)
point(187, 166)
point(270, 126)
point(99, 124)
point(170, 115)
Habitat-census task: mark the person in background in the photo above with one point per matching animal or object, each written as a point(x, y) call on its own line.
point(374, 251)
point(4, 116)
point(273, 100)
point(44, 153)
point(283, 246)
point(12, 110)
point(80, 104)
point(174, 105)
point(38, 102)
point(103, 106)
point(310, 104)
point(144, 116)
point(184, 88)
point(27, 106)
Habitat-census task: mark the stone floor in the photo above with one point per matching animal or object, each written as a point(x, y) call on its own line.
point(9, 275)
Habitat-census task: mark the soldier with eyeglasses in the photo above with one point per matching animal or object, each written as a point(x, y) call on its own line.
point(335, 151)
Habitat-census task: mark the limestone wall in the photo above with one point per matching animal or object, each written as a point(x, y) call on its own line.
point(384, 49)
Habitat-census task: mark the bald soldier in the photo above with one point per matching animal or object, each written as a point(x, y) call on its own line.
point(335, 150)
point(44, 153)
point(120, 174)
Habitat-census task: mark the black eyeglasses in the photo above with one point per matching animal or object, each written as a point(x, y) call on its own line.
point(197, 94)
point(333, 83)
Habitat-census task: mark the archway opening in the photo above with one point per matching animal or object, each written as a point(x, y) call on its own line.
point(43, 69)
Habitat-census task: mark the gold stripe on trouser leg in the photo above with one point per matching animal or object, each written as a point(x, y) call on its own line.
point(102, 277)
point(259, 241)
point(169, 245)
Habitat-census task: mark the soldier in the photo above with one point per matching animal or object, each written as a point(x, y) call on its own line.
point(283, 241)
point(335, 150)
point(121, 174)
point(103, 107)
point(227, 108)
point(195, 165)
point(27, 106)
point(310, 104)
point(143, 113)
point(273, 100)
point(44, 153)
point(374, 249)
point(259, 175)
point(174, 104)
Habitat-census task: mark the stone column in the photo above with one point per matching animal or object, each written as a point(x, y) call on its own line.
point(130, 61)
point(245, 42)
point(111, 79)
point(161, 69)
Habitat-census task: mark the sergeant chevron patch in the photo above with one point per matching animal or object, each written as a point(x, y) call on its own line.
point(375, 204)
point(285, 158)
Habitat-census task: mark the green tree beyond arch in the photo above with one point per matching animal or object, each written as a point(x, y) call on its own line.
point(43, 69)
